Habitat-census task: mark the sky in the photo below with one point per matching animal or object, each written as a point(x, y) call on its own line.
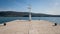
point(37, 6)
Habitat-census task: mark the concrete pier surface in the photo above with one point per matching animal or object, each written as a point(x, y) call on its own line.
point(29, 27)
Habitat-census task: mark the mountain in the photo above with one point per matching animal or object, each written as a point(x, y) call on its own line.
point(24, 14)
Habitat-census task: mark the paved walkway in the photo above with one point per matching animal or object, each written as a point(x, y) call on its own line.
point(26, 27)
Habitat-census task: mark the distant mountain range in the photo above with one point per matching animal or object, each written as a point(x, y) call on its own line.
point(24, 14)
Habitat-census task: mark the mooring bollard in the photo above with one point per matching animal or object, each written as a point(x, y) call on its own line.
point(55, 24)
point(4, 24)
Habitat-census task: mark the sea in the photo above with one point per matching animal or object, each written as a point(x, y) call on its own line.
point(8, 19)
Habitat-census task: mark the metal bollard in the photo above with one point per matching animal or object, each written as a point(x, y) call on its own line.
point(4, 24)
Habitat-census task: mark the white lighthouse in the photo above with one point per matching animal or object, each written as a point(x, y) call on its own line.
point(29, 12)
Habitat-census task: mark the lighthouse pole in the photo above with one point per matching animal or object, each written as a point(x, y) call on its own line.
point(29, 12)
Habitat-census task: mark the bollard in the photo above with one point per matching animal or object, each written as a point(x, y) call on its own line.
point(4, 24)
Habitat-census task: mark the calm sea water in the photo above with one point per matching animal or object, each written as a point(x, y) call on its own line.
point(7, 19)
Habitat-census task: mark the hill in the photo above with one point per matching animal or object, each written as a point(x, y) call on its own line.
point(24, 14)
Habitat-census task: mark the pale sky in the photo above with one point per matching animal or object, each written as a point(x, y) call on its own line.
point(38, 6)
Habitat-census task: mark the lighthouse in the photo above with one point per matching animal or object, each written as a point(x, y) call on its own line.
point(29, 12)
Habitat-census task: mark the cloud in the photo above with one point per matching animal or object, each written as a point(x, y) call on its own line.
point(54, 8)
point(53, 12)
point(7, 9)
point(54, 5)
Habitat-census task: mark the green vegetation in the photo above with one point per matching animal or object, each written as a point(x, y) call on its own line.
point(23, 14)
